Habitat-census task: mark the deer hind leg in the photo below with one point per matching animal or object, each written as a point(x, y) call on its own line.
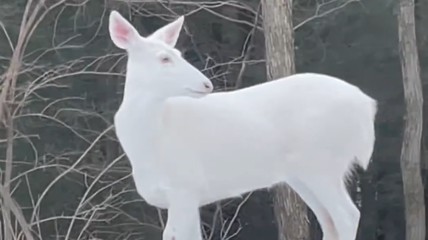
point(333, 196)
point(323, 216)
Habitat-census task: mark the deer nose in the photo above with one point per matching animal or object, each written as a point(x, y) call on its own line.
point(208, 86)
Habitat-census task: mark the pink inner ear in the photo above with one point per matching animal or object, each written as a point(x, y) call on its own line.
point(170, 36)
point(122, 32)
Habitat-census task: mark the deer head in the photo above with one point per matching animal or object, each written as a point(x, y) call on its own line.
point(155, 66)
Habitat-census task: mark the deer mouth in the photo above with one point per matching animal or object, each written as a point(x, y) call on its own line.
point(197, 91)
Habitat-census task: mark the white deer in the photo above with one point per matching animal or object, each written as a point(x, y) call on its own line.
point(189, 148)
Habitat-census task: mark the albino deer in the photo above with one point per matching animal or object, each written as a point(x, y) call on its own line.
point(189, 148)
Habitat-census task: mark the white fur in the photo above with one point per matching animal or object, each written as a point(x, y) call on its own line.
point(187, 151)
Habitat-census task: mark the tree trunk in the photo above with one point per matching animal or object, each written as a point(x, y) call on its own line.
point(290, 210)
point(411, 149)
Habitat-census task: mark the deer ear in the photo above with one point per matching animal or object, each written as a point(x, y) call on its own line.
point(169, 33)
point(122, 33)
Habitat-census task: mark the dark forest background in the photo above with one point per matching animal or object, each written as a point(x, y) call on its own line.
point(69, 175)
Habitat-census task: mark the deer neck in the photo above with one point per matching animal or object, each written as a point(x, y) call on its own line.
point(134, 84)
point(137, 126)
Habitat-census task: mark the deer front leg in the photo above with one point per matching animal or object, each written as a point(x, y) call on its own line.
point(183, 217)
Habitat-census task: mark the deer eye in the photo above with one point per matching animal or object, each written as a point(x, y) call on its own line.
point(165, 59)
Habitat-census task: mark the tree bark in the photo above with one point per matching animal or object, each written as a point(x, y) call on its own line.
point(289, 209)
point(411, 149)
